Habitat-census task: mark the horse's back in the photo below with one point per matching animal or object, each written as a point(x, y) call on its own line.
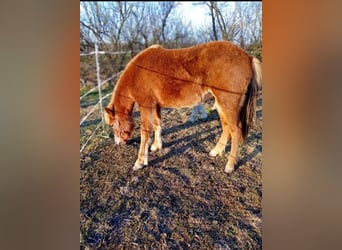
point(204, 62)
point(180, 77)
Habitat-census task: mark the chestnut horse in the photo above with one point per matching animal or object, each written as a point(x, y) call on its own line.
point(177, 78)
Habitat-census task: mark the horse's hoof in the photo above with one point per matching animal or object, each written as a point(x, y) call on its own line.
point(213, 153)
point(137, 167)
point(155, 147)
point(229, 169)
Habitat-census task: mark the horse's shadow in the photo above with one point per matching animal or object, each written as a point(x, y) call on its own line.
point(212, 116)
point(192, 141)
point(257, 149)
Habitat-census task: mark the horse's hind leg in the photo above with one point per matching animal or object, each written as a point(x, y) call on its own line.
point(222, 142)
point(157, 144)
point(230, 125)
point(236, 134)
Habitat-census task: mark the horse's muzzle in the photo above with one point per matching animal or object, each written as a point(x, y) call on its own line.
point(119, 141)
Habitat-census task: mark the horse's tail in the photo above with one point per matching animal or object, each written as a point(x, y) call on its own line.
point(256, 65)
point(247, 113)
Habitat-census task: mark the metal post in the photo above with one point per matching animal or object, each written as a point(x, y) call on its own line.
point(99, 84)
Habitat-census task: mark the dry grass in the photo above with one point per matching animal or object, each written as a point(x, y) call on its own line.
point(182, 200)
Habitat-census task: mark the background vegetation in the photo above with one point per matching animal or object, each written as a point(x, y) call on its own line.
point(134, 26)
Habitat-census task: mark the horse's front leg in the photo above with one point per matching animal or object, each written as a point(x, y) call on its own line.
point(143, 150)
point(146, 130)
point(157, 144)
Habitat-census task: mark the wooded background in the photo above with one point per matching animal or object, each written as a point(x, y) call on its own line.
point(133, 26)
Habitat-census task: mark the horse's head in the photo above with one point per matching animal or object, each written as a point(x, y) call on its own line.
point(122, 124)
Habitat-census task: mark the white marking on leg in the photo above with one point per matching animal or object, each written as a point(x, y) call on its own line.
point(157, 144)
point(146, 154)
point(143, 150)
point(230, 164)
point(159, 132)
point(213, 153)
point(142, 157)
point(232, 158)
point(137, 166)
point(229, 167)
point(220, 146)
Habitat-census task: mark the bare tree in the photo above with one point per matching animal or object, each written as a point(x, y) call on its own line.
point(92, 22)
point(239, 22)
point(212, 6)
point(227, 21)
point(224, 22)
point(165, 9)
point(133, 26)
point(250, 21)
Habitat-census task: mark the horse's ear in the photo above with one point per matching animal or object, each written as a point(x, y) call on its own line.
point(109, 116)
point(109, 111)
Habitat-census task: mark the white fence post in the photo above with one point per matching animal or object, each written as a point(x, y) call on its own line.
point(99, 83)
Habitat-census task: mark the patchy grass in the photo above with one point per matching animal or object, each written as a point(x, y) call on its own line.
point(93, 97)
point(182, 200)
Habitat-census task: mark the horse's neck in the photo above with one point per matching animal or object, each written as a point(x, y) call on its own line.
point(123, 102)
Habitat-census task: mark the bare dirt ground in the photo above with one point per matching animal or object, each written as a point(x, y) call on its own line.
point(182, 200)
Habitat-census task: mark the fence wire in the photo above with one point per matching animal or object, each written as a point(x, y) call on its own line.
point(98, 87)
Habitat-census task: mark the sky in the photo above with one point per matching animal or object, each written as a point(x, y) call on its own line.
point(198, 14)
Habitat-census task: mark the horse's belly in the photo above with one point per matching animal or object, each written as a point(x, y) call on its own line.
point(178, 104)
point(180, 100)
